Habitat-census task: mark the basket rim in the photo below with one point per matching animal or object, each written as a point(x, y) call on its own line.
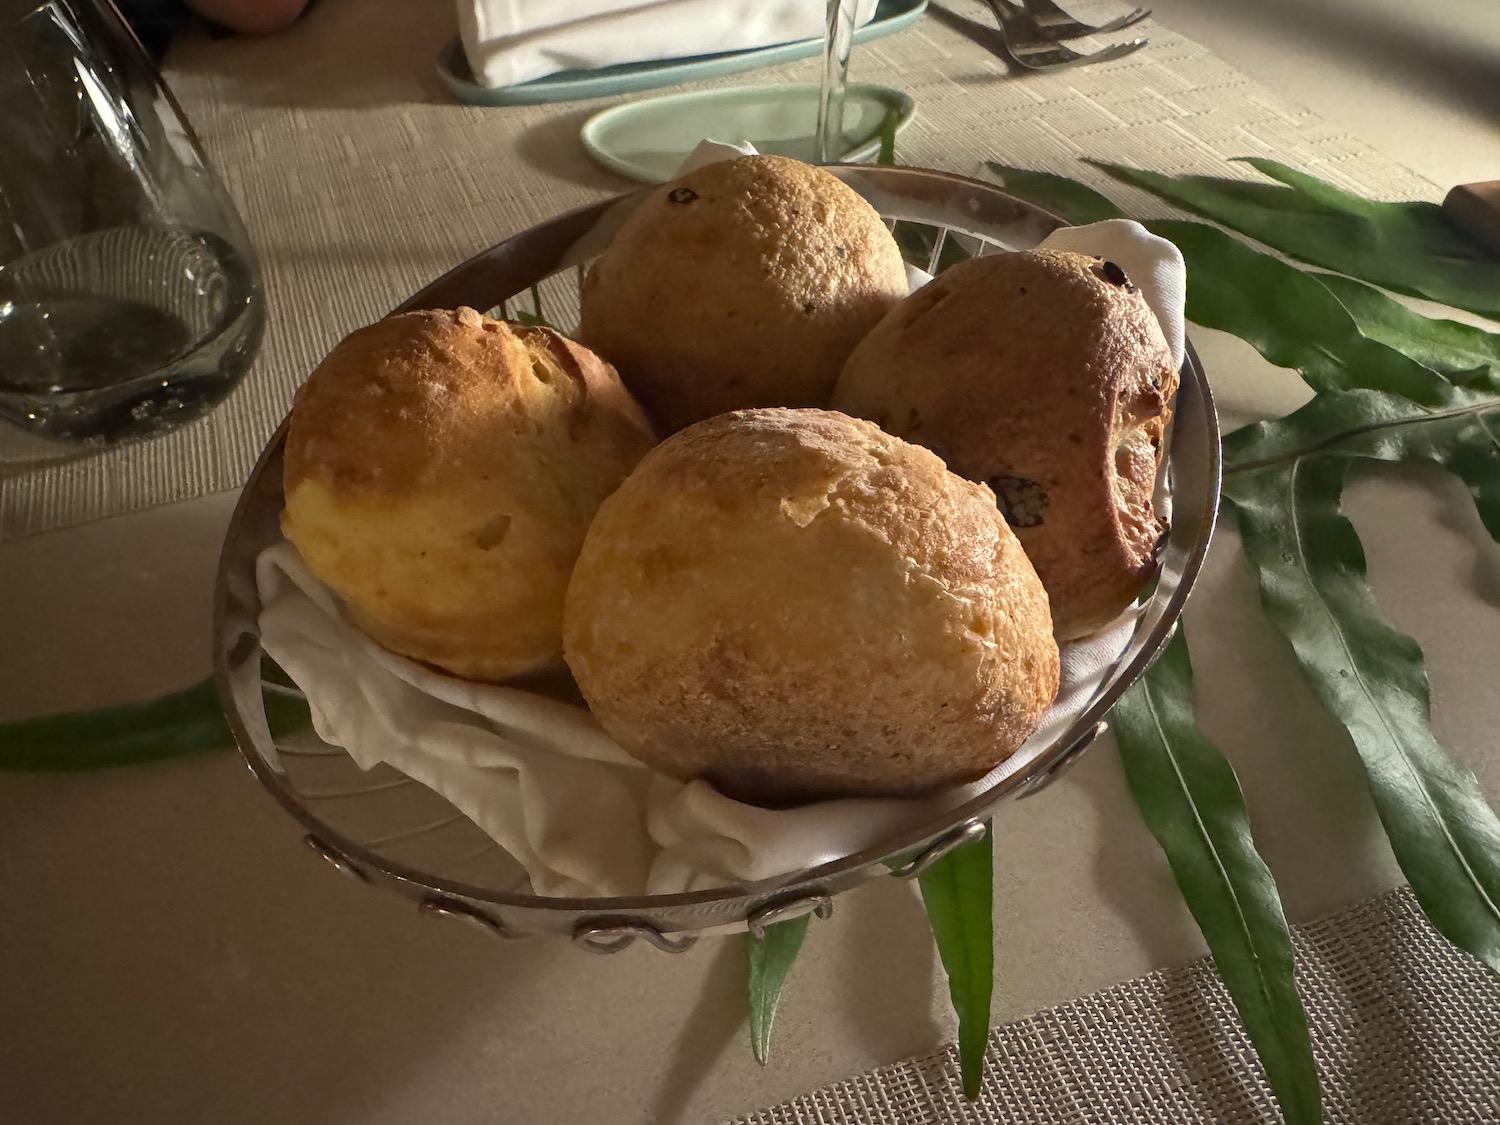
point(229, 642)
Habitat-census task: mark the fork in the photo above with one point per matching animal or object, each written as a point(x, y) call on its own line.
point(1033, 48)
point(1058, 24)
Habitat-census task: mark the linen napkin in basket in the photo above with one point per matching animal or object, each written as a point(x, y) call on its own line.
point(513, 41)
point(544, 780)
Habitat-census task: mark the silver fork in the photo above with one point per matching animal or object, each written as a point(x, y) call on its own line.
point(1035, 49)
point(1058, 24)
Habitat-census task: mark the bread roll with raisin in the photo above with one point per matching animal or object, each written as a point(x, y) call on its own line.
point(1045, 375)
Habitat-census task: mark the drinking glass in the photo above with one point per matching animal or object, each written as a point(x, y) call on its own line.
point(130, 299)
point(838, 40)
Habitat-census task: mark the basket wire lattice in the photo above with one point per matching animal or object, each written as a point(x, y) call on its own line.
point(384, 828)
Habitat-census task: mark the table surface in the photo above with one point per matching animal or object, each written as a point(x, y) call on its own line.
point(174, 953)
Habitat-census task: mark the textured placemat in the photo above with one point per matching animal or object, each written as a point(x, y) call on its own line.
point(360, 179)
point(1405, 1027)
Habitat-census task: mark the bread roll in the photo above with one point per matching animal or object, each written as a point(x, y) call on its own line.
point(441, 470)
point(794, 605)
point(1045, 375)
point(744, 283)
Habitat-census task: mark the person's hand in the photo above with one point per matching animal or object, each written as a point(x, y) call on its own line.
point(250, 17)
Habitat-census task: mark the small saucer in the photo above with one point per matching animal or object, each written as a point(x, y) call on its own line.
point(647, 140)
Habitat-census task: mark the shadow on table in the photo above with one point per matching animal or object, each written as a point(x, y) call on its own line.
point(554, 146)
point(889, 963)
point(1454, 508)
point(717, 1019)
point(343, 54)
point(1130, 874)
point(199, 965)
point(1308, 801)
point(874, 993)
point(1465, 71)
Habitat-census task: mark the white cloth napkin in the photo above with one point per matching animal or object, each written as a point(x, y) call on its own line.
point(544, 780)
point(549, 786)
point(513, 41)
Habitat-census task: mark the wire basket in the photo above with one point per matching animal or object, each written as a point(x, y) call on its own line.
point(385, 829)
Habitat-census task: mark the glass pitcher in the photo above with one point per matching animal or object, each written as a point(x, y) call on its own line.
point(130, 299)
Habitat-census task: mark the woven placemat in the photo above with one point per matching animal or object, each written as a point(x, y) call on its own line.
point(1406, 1030)
point(360, 179)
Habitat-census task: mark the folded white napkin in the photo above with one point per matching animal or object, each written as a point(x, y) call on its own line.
point(513, 41)
point(544, 780)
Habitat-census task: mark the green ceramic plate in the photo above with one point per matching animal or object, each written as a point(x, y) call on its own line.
point(647, 139)
point(628, 78)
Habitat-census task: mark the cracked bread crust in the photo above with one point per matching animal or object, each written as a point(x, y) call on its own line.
point(744, 283)
point(794, 605)
point(441, 469)
point(1045, 375)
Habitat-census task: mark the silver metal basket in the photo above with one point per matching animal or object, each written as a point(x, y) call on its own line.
point(387, 830)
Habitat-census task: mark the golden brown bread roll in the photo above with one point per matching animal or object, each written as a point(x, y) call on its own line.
point(744, 283)
point(441, 470)
point(794, 605)
point(1045, 375)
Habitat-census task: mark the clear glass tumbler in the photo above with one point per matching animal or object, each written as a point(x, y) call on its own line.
point(838, 41)
point(130, 299)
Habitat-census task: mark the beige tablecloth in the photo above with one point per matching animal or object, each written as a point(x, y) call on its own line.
point(184, 958)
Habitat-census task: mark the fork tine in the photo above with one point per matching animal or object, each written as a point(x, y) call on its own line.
point(1055, 23)
point(1054, 56)
point(1108, 54)
point(1127, 20)
point(1024, 43)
